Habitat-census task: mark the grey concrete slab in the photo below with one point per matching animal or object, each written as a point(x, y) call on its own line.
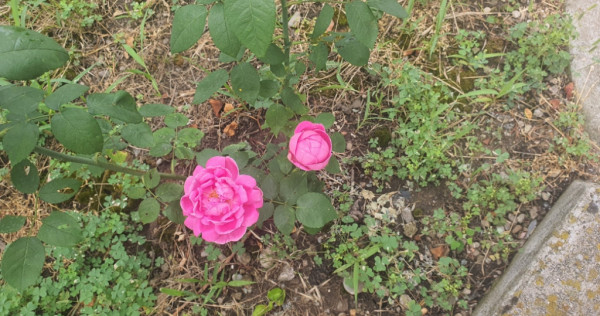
point(585, 67)
point(557, 271)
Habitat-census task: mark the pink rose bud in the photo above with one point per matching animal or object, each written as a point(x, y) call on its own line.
point(220, 203)
point(310, 147)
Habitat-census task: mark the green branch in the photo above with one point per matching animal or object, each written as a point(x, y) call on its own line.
point(105, 165)
point(286, 35)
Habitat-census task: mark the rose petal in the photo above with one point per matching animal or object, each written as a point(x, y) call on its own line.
point(224, 162)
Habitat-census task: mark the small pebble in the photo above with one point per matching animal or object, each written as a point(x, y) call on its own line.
point(533, 212)
point(517, 229)
point(348, 146)
point(511, 217)
point(287, 273)
point(538, 113)
point(520, 218)
point(516, 14)
point(487, 10)
point(545, 196)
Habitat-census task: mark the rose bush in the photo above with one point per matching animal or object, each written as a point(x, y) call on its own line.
point(310, 147)
point(220, 203)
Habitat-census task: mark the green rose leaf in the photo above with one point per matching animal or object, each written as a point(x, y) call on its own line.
point(210, 84)
point(269, 187)
point(20, 100)
point(151, 178)
point(65, 94)
point(25, 177)
point(268, 88)
point(22, 262)
point(11, 224)
point(153, 110)
point(245, 82)
point(292, 100)
point(252, 21)
point(284, 219)
point(51, 192)
point(168, 192)
point(135, 192)
point(174, 212)
point(60, 229)
point(277, 117)
point(149, 210)
point(333, 166)
point(265, 213)
point(203, 156)
point(26, 55)
point(188, 27)
point(190, 136)
point(119, 105)
point(318, 56)
point(323, 21)
point(139, 135)
point(315, 210)
point(353, 51)
point(391, 7)
point(160, 149)
point(327, 119)
point(362, 22)
point(273, 56)
point(292, 187)
point(20, 140)
point(338, 142)
point(222, 35)
point(175, 120)
point(78, 131)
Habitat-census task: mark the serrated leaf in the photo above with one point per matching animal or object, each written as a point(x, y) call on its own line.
point(26, 54)
point(203, 156)
point(268, 88)
point(209, 85)
point(391, 7)
point(362, 22)
point(323, 21)
point(327, 119)
point(22, 262)
point(273, 56)
point(314, 210)
point(164, 135)
point(152, 110)
point(78, 131)
point(318, 56)
point(284, 219)
point(333, 166)
point(269, 187)
point(25, 177)
point(245, 82)
point(252, 21)
point(292, 187)
point(11, 224)
point(292, 100)
point(52, 192)
point(151, 178)
point(276, 117)
point(183, 153)
point(222, 35)
point(188, 27)
point(20, 140)
point(265, 212)
point(285, 166)
point(190, 136)
point(169, 191)
point(138, 135)
point(149, 210)
point(338, 142)
point(175, 120)
point(160, 149)
point(135, 192)
point(20, 100)
point(65, 94)
point(241, 158)
point(174, 212)
point(353, 51)
point(119, 105)
point(60, 229)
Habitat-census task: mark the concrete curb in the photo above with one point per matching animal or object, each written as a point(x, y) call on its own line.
point(555, 271)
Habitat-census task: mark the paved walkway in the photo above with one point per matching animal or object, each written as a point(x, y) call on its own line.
point(557, 272)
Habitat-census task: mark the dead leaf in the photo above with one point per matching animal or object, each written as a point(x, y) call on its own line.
point(555, 103)
point(528, 113)
point(439, 252)
point(554, 173)
point(569, 90)
point(230, 129)
point(217, 106)
point(228, 108)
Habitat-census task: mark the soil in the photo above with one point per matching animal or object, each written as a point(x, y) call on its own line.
point(314, 289)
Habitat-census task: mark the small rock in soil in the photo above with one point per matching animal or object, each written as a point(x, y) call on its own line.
point(520, 218)
point(287, 273)
point(341, 306)
point(409, 229)
point(243, 258)
point(545, 196)
point(266, 258)
point(533, 212)
point(531, 227)
point(517, 229)
point(538, 113)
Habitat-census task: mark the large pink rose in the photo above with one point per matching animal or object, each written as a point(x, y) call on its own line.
point(220, 203)
point(310, 147)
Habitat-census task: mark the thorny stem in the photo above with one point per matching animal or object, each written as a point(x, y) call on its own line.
point(105, 165)
point(286, 35)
